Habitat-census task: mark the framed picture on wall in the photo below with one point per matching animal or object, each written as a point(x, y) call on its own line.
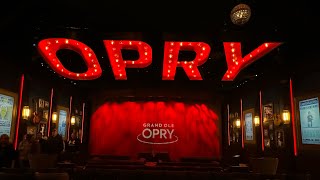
point(234, 137)
point(43, 103)
point(32, 130)
point(8, 113)
point(78, 121)
point(267, 112)
point(46, 104)
point(42, 128)
point(63, 120)
point(41, 110)
point(267, 143)
point(40, 103)
point(249, 128)
point(237, 137)
point(271, 126)
point(271, 136)
point(280, 138)
point(45, 115)
point(308, 121)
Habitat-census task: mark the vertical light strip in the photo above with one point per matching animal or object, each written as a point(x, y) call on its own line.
point(295, 150)
point(50, 113)
point(242, 124)
point(19, 112)
point(261, 121)
point(69, 122)
point(228, 110)
point(83, 106)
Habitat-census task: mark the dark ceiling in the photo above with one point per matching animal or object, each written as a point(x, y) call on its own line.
point(156, 22)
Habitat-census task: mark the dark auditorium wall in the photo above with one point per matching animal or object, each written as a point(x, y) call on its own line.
point(276, 90)
point(306, 85)
point(37, 84)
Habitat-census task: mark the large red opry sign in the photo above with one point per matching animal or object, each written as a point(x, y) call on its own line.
point(235, 60)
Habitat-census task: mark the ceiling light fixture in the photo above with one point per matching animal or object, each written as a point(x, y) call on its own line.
point(240, 14)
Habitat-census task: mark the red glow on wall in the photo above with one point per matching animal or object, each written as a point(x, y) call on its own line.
point(261, 121)
point(69, 120)
point(50, 113)
point(116, 126)
point(170, 61)
point(48, 48)
point(82, 122)
point(118, 64)
point(242, 124)
point(228, 119)
point(295, 149)
point(19, 112)
point(236, 62)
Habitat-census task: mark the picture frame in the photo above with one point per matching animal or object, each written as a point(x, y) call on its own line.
point(271, 126)
point(32, 130)
point(46, 104)
point(280, 139)
point(42, 128)
point(45, 115)
point(299, 122)
point(78, 121)
point(266, 133)
point(8, 113)
point(271, 136)
point(41, 103)
point(267, 143)
point(63, 121)
point(267, 112)
point(237, 137)
point(40, 110)
point(249, 127)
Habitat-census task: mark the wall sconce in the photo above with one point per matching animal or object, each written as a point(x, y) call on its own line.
point(238, 123)
point(25, 112)
point(73, 120)
point(256, 120)
point(286, 116)
point(54, 117)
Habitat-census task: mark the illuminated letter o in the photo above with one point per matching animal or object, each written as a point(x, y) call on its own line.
point(150, 133)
